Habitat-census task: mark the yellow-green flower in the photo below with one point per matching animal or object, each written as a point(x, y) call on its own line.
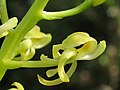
point(10, 24)
point(77, 46)
point(34, 39)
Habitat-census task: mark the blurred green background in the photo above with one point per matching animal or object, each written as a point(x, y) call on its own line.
point(102, 22)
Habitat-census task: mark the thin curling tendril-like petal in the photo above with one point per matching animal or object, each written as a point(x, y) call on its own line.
point(55, 50)
point(51, 72)
point(58, 81)
point(26, 49)
point(66, 55)
point(17, 85)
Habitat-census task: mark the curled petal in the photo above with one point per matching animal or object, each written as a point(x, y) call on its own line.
point(51, 72)
point(66, 55)
point(34, 33)
point(4, 34)
point(18, 86)
point(86, 46)
point(48, 61)
point(41, 42)
point(58, 81)
point(45, 58)
point(10, 24)
point(76, 39)
point(28, 54)
point(26, 49)
point(49, 82)
point(38, 38)
point(97, 52)
point(86, 49)
point(55, 50)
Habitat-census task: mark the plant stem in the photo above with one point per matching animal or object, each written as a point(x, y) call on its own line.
point(3, 69)
point(3, 11)
point(15, 36)
point(60, 14)
point(31, 64)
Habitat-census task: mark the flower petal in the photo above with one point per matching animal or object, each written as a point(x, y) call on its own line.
point(97, 52)
point(58, 81)
point(51, 72)
point(26, 49)
point(76, 39)
point(41, 42)
point(18, 86)
point(10, 24)
point(66, 55)
point(34, 33)
point(87, 48)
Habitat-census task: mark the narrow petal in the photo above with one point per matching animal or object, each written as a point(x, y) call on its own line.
point(76, 39)
point(51, 72)
point(58, 81)
point(98, 51)
point(10, 24)
point(17, 85)
point(55, 50)
point(34, 33)
point(26, 50)
point(66, 55)
point(86, 49)
point(41, 42)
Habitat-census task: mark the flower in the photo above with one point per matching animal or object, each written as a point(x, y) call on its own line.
point(77, 46)
point(8, 25)
point(34, 39)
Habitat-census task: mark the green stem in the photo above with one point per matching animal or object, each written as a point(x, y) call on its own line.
point(31, 64)
point(3, 69)
point(60, 14)
point(13, 39)
point(3, 11)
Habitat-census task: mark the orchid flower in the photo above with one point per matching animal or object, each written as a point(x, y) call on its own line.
point(34, 39)
point(72, 51)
